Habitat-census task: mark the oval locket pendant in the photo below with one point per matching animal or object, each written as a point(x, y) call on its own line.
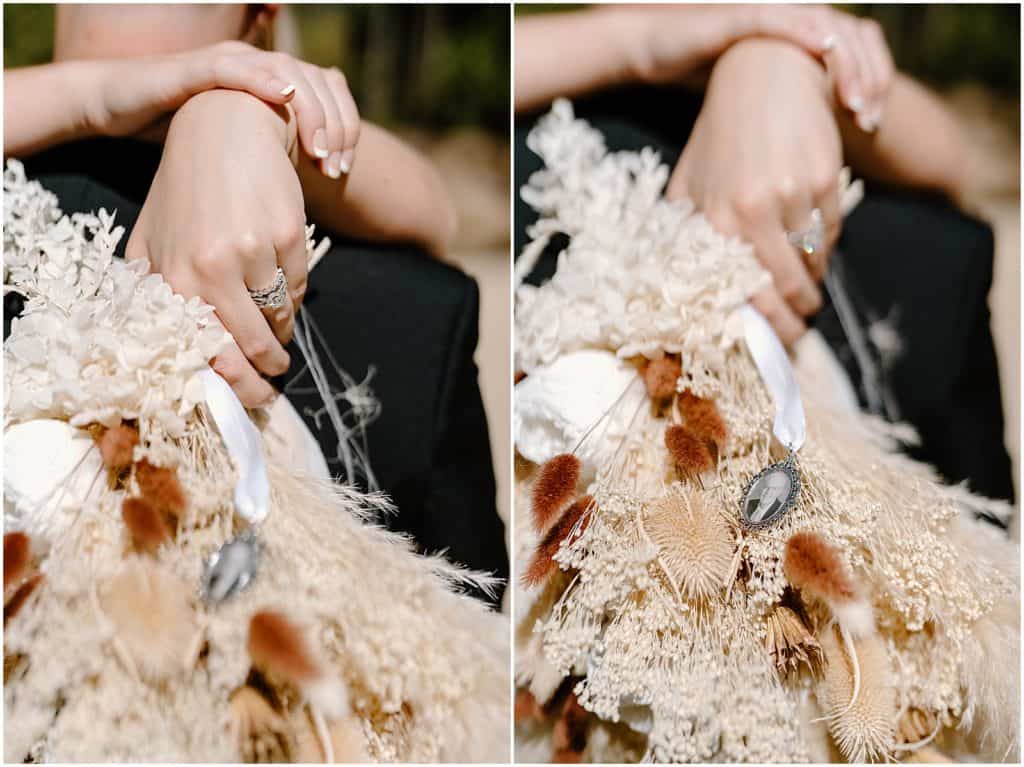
point(771, 493)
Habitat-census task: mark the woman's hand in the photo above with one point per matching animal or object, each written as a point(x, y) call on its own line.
point(673, 42)
point(120, 97)
point(224, 211)
point(765, 152)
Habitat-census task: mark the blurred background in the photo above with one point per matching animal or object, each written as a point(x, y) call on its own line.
point(438, 75)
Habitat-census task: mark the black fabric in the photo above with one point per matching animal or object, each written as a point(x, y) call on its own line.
point(914, 260)
point(409, 316)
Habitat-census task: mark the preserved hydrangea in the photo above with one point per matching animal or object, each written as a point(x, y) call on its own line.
point(100, 340)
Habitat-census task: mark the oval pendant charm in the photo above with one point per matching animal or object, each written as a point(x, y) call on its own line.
point(231, 568)
point(771, 493)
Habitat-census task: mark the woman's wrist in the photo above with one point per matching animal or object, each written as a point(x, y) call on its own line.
point(246, 112)
point(752, 53)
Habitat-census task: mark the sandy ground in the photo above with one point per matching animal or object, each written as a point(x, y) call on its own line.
point(476, 168)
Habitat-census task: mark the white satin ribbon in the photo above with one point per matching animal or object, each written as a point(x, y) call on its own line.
point(242, 439)
point(773, 364)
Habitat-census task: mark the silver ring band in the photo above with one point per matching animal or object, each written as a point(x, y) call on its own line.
point(274, 295)
point(811, 239)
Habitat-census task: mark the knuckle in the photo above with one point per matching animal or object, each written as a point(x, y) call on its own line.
point(337, 76)
point(227, 368)
point(291, 233)
point(750, 203)
point(787, 187)
point(246, 244)
point(209, 261)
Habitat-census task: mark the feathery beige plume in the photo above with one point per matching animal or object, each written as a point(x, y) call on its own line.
point(865, 730)
point(156, 632)
point(694, 542)
point(789, 642)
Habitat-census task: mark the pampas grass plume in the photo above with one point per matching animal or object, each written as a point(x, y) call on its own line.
point(17, 556)
point(117, 446)
point(543, 562)
point(148, 528)
point(690, 454)
point(554, 488)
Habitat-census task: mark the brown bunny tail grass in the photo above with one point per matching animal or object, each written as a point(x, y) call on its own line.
point(703, 419)
point(20, 596)
point(814, 566)
point(862, 725)
point(160, 486)
point(277, 646)
point(148, 528)
point(117, 445)
point(554, 488)
point(543, 562)
point(569, 736)
point(660, 376)
point(690, 454)
point(17, 556)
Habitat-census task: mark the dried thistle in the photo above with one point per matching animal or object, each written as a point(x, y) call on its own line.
point(17, 558)
point(156, 631)
point(689, 453)
point(694, 542)
point(263, 735)
point(553, 489)
point(660, 376)
point(148, 527)
point(790, 643)
point(543, 562)
point(117, 444)
point(160, 486)
point(863, 726)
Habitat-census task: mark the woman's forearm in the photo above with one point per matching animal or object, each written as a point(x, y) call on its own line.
point(918, 144)
point(45, 105)
point(568, 54)
point(392, 194)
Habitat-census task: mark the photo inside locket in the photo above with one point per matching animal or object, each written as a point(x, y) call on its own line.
point(767, 497)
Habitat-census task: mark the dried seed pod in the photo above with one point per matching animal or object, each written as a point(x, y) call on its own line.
point(789, 642)
point(148, 527)
point(117, 445)
point(660, 377)
point(814, 566)
point(554, 489)
point(862, 725)
point(160, 486)
point(543, 562)
point(694, 542)
point(17, 558)
point(690, 454)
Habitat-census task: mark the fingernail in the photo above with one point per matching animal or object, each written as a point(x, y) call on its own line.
point(345, 163)
point(828, 43)
point(334, 165)
point(320, 143)
point(287, 90)
point(866, 124)
point(856, 102)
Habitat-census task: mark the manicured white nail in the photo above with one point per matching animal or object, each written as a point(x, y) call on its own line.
point(867, 124)
point(334, 165)
point(856, 103)
point(828, 43)
point(320, 144)
point(288, 90)
point(345, 162)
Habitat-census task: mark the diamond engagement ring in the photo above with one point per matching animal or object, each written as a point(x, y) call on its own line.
point(811, 239)
point(274, 295)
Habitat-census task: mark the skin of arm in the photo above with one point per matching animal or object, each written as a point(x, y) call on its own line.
point(919, 143)
point(51, 104)
point(392, 194)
